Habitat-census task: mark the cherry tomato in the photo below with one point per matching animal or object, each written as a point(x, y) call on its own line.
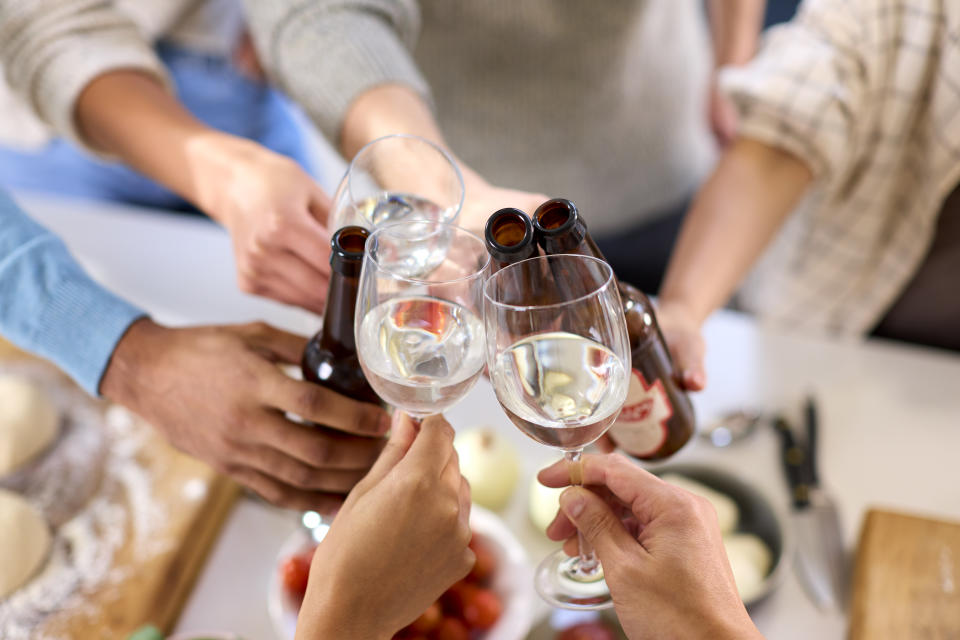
point(452, 599)
point(587, 631)
point(486, 563)
point(481, 608)
point(451, 629)
point(428, 620)
point(294, 572)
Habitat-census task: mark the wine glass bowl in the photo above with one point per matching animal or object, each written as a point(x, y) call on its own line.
point(419, 331)
point(398, 178)
point(559, 356)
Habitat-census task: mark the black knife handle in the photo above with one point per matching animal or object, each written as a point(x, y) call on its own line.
point(810, 411)
point(794, 461)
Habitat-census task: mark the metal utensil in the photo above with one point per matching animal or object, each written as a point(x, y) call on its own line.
point(821, 561)
point(731, 427)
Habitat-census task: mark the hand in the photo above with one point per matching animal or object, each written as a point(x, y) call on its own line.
point(397, 544)
point(482, 199)
point(660, 547)
point(681, 330)
point(217, 394)
point(276, 214)
point(721, 114)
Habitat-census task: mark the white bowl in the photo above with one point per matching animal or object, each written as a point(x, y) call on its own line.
point(513, 581)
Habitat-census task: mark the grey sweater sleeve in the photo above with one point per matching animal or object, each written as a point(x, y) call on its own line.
point(52, 49)
point(325, 53)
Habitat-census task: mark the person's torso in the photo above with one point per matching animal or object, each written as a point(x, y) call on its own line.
point(603, 103)
point(859, 236)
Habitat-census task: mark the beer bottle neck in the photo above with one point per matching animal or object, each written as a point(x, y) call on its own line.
point(576, 240)
point(337, 335)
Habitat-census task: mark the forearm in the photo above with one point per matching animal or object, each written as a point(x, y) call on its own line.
point(385, 110)
point(733, 218)
point(327, 613)
point(130, 115)
point(48, 304)
point(735, 27)
point(395, 108)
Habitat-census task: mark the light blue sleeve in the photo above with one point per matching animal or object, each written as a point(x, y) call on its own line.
point(50, 306)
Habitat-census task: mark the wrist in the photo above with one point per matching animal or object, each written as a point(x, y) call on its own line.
point(727, 627)
point(130, 356)
point(219, 161)
point(681, 308)
point(330, 611)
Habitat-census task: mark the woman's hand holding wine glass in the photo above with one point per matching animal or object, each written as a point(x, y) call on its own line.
point(558, 354)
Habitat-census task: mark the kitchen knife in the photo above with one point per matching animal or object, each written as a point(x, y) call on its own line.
point(820, 562)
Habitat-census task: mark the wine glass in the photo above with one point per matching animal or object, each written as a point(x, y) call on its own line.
point(418, 325)
point(398, 178)
point(559, 357)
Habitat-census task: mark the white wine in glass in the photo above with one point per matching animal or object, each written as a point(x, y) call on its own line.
point(561, 389)
point(559, 357)
point(419, 331)
point(398, 178)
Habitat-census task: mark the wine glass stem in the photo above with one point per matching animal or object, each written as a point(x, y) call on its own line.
point(588, 563)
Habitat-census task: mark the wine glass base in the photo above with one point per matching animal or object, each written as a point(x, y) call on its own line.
point(561, 584)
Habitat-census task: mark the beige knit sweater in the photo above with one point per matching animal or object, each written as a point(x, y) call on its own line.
point(599, 101)
point(51, 49)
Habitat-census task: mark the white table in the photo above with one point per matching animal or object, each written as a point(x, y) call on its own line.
point(890, 414)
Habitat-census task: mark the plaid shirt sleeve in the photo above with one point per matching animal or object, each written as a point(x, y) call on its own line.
point(804, 90)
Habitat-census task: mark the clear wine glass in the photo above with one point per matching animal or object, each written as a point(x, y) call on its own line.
point(559, 357)
point(419, 328)
point(398, 178)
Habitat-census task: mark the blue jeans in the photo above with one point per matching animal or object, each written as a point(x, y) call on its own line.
point(211, 89)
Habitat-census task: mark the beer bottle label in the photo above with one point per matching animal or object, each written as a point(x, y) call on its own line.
point(641, 428)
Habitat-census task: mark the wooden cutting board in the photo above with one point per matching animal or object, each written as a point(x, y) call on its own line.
point(906, 582)
point(153, 589)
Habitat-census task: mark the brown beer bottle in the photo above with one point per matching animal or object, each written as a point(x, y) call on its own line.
point(657, 418)
point(330, 358)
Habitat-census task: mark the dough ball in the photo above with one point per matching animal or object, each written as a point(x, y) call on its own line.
point(727, 511)
point(28, 422)
point(24, 542)
point(750, 559)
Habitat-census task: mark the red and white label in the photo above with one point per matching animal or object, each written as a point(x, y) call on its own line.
point(641, 427)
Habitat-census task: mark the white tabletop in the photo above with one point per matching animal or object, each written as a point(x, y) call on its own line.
point(890, 414)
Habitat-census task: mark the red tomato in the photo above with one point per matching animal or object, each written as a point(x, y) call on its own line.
point(587, 631)
point(294, 572)
point(452, 599)
point(486, 563)
point(428, 620)
point(481, 608)
point(451, 629)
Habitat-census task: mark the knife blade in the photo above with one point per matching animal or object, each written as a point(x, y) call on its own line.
point(820, 561)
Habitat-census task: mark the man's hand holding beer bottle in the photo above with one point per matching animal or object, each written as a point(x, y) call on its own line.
point(217, 394)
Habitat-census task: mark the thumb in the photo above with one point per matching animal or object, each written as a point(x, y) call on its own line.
point(596, 521)
point(403, 432)
point(319, 205)
point(687, 351)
